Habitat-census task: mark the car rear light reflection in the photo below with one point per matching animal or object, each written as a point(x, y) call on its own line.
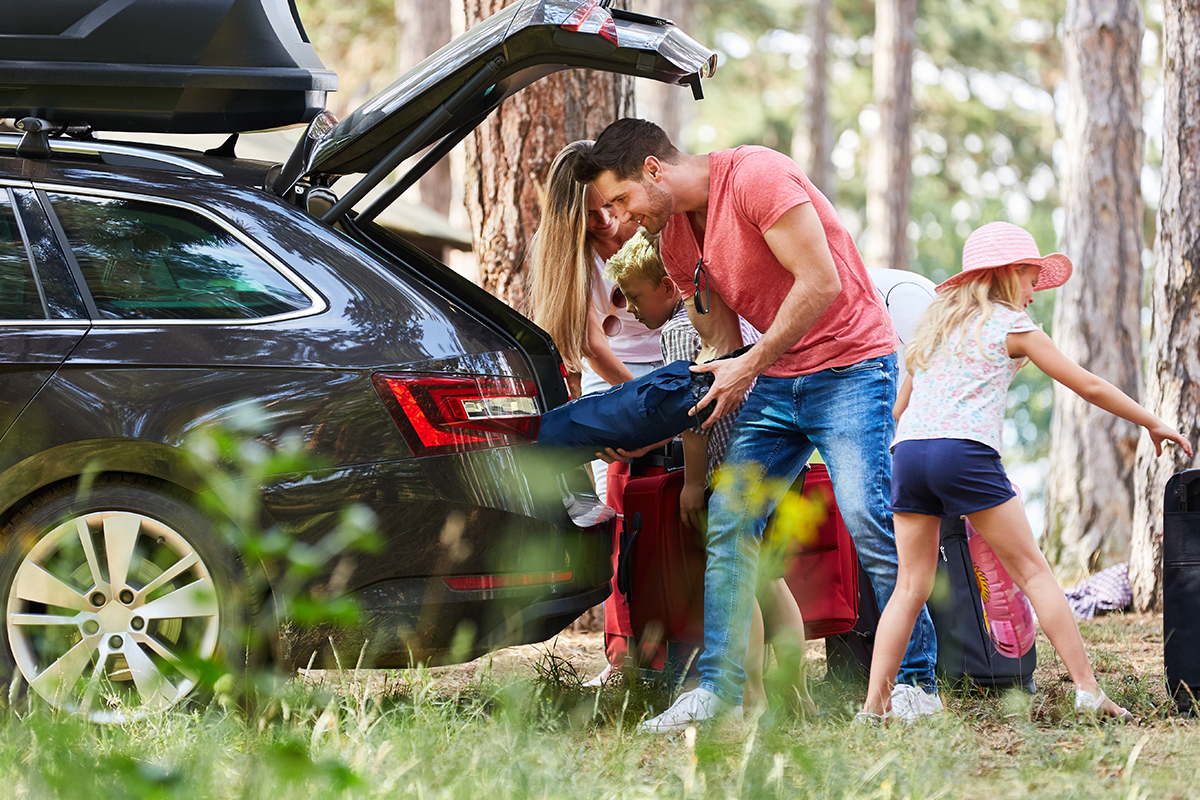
point(480, 582)
point(439, 414)
point(591, 17)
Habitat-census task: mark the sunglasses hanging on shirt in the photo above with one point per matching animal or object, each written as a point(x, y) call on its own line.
point(701, 306)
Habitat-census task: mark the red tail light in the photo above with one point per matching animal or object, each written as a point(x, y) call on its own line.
point(566, 376)
point(439, 414)
point(479, 582)
point(591, 17)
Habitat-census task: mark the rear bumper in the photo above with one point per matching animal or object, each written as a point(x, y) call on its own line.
point(405, 622)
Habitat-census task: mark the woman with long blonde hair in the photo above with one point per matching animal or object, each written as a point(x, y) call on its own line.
point(585, 314)
point(600, 341)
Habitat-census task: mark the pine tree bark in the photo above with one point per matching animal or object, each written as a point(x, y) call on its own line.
point(1173, 363)
point(661, 103)
point(424, 28)
point(889, 179)
point(507, 158)
point(812, 144)
point(1097, 317)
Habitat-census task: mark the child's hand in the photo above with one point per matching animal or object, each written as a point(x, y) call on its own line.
point(1161, 432)
point(692, 506)
point(611, 454)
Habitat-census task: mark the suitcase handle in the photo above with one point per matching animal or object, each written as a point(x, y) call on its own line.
point(1183, 491)
point(629, 534)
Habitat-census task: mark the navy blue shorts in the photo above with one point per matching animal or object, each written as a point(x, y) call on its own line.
point(947, 477)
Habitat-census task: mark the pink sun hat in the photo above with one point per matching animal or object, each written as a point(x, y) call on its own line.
point(1001, 244)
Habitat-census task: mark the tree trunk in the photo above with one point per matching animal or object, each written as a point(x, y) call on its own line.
point(1173, 363)
point(1089, 508)
point(888, 181)
point(669, 107)
point(812, 145)
point(508, 156)
point(424, 28)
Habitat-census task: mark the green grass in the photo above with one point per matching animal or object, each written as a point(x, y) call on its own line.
point(535, 732)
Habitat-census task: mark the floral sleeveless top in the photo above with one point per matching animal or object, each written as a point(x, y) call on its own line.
point(961, 393)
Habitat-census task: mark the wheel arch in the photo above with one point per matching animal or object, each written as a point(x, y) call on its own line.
point(187, 494)
point(101, 459)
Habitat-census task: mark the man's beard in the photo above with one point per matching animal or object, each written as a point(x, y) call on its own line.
point(660, 209)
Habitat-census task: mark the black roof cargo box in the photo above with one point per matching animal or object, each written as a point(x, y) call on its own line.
point(170, 66)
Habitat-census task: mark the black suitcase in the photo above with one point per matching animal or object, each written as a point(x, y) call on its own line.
point(1181, 588)
point(848, 655)
point(966, 652)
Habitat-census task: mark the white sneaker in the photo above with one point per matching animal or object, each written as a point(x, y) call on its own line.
point(1088, 705)
point(698, 705)
point(586, 511)
point(600, 679)
point(910, 703)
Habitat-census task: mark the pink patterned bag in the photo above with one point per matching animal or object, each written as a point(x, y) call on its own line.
point(1006, 610)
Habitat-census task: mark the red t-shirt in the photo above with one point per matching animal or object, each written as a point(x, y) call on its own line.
point(749, 189)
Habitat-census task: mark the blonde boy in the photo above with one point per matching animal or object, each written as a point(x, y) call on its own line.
point(653, 298)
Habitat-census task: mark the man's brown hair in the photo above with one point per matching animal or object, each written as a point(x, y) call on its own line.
point(623, 148)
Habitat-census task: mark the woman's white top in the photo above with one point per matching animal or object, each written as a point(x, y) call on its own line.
point(630, 340)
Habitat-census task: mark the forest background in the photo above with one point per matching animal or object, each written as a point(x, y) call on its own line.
point(920, 121)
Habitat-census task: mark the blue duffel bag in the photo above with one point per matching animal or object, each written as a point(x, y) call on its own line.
point(629, 415)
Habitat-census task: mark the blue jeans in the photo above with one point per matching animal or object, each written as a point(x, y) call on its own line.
point(591, 383)
point(846, 413)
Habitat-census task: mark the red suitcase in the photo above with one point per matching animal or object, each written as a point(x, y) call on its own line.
point(617, 630)
point(823, 573)
point(663, 579)
point(659, 572)
point(653, 488)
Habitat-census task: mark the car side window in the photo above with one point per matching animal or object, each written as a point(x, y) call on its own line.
point(152, 261)
point(19, 297)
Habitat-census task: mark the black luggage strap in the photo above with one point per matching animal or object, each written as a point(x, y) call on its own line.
point(629, 534)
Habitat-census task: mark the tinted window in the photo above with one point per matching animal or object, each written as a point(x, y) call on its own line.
point(144, 260)
point(18, 290)
point(60, 291)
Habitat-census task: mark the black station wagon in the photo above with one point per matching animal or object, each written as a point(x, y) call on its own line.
point(147, 292)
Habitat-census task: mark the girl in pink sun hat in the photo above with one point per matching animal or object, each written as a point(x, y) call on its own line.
point(1002, 244)
point(963, 355)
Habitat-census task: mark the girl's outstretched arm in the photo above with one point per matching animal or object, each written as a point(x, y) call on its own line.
point(902, 397)
point(1038, 348)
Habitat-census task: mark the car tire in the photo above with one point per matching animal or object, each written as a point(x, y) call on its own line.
point(117, 623)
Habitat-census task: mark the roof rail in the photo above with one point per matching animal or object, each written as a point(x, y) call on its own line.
point(10, 141)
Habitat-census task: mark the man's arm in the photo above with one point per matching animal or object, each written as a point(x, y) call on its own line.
point(797, 239)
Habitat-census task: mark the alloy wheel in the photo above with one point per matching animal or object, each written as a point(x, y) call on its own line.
point(111, 614)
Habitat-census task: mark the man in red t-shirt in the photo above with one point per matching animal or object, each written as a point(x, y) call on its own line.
point(744, 232)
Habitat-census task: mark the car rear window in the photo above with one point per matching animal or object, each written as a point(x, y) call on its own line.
point(153, 261)
point(18, 291)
